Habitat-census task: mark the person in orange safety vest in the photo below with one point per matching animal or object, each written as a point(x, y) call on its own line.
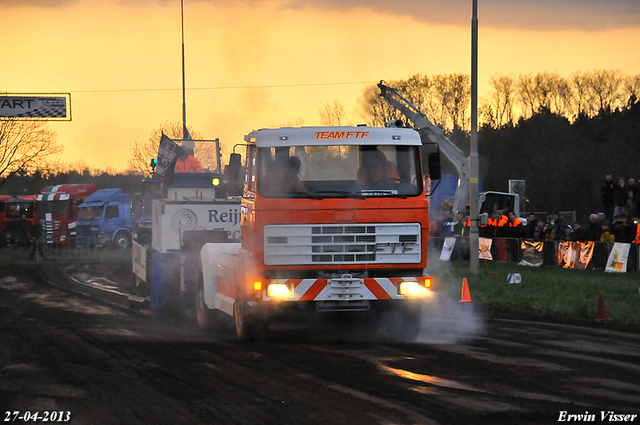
point(188, 163)
point(489, 230)
point(501, 221)
point(515, 227)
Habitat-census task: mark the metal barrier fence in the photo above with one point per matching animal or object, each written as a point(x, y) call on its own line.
point(75, 248)
point(510, 250)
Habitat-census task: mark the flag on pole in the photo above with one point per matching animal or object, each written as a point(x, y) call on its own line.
point(188, 141)
point(168, 154)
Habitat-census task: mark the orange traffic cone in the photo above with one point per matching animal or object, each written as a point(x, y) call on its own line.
point(603, 314)
point(466, 296)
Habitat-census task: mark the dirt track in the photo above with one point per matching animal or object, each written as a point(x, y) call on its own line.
point(66, 352)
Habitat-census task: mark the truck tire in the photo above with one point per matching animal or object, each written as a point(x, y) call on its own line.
point(248, 327)
point(244, 329)
point(204, 315)
point(122, 240)
point(208, 319)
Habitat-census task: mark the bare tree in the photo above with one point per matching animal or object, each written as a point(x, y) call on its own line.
point(333, 114)
point(444, 99)
point(544, 91)
point(582, 95)
point(296, 122)
point(143, 152)
point(632, 87)
point(418, 90)
point(25, 147)
point(439, 97)
point(561, 95)
point(375, 110)
point(499, 111)
point(607, 87)
point(458, 101)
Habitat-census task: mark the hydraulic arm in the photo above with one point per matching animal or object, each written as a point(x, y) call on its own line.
point(435, 135)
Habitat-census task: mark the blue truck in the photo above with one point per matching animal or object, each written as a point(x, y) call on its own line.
point(105, 219)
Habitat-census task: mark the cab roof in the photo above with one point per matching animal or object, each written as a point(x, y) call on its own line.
point(328, 136)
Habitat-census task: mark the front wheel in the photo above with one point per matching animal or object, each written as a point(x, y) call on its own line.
point(204, 314)
point(248, 326)
point(122, 240)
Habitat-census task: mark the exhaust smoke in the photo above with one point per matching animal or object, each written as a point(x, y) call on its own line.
point(445, 320)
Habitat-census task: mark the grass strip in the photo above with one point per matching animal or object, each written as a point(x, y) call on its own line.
point(546, 290)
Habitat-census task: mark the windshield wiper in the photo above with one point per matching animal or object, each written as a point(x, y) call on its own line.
point(346, 193)
point(382, 193)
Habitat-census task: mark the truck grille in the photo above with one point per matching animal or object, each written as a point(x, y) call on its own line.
point(300, 244)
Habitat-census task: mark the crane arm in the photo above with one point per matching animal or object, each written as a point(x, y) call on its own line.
point(436, 135)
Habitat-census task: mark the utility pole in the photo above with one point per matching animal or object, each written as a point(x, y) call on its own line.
point(184, 96)
point(474, 237)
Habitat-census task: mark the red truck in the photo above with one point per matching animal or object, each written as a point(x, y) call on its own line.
point(14, 209)
point(58, 207)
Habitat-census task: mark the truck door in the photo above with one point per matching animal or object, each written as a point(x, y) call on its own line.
point(112, 217)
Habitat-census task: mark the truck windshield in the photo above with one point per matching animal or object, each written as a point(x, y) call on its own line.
point(339, 171)
point(52, 207)
point(497, 201)
point(90, 213)
point(18, 209)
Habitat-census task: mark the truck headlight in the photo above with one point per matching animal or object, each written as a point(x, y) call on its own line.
point(413, 288)
point(280, 290)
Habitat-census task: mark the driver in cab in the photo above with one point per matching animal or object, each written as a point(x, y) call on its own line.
point(187, 163)
point(376, 169)
point(283, 176)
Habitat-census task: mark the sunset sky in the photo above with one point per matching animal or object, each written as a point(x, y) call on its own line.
point(253, 64)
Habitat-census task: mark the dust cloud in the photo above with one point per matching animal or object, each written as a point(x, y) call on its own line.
point(446, 320)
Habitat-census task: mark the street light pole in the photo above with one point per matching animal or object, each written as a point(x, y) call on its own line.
point(184, 97)
point(474, 237)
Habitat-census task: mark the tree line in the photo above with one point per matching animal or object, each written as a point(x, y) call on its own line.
point(446, 98)
point(560, 135)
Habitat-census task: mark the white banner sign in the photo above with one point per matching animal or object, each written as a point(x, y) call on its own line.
point(485, 249)
point(618, 258)
point(447, 249)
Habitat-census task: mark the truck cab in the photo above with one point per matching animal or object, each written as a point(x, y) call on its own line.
point(14, 209)
point(334, 221)
point(58, 207)
point(105, 219)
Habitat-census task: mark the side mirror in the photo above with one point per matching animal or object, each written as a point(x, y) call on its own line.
point(434, 166)
point(235, 162)
point(484, 219)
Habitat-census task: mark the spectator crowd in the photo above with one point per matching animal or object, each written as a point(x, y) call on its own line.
point(617, 222)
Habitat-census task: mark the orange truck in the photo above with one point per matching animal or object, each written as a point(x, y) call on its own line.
point(2, 217)
point(334, 224)
point(14, 209)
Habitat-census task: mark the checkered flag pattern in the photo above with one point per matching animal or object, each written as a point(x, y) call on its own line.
point(47, 111)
